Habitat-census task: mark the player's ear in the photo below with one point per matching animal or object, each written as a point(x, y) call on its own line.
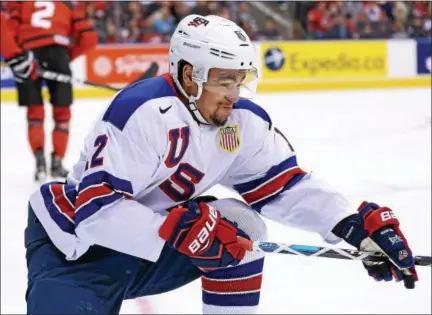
point(190, 86)
point(187, 76)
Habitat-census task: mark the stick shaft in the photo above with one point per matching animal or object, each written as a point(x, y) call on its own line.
point(328, 252)
point(65, 78)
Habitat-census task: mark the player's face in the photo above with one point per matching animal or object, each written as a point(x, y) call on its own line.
point(219, 94)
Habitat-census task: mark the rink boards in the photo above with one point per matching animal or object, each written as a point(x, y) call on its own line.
point(283, 66)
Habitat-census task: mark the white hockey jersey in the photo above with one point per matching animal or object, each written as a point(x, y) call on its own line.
point(147, 153)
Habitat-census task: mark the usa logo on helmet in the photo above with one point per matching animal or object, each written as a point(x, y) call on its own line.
point(198, 21)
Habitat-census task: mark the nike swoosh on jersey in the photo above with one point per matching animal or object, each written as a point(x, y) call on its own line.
point(163, 111)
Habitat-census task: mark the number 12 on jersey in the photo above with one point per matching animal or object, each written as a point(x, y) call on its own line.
point(97, 160)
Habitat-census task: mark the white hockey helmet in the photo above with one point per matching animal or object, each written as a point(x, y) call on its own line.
point(211, 42)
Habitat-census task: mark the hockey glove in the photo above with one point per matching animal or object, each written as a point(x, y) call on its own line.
point(23, 66)
point(199, 232)
point(376, 229)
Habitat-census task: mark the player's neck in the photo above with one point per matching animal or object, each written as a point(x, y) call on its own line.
point(185, 101)
point(180, 95)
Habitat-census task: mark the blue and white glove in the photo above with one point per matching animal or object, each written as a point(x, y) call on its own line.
point(376, 229)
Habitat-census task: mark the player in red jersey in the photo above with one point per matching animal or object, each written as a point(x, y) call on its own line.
point(56, 32)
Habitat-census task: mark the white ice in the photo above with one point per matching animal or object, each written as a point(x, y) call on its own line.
point(371, 145)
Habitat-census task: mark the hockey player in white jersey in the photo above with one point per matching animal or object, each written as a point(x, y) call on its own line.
point(128, 222)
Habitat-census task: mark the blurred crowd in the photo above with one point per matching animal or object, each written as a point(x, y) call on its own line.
point(154, 21)
point(364, 19)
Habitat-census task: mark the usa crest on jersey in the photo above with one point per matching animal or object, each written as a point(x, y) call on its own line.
point(229, 139)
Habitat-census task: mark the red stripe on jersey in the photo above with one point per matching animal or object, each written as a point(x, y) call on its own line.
point(170, 80)
point(272, 186)
point(61, 201)
point(92, 192)
point(232, 286)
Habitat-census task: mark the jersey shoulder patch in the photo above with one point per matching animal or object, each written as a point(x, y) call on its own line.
point(127, 101)
point(245, 104)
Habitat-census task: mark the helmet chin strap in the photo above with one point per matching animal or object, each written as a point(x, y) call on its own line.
point(192, 101)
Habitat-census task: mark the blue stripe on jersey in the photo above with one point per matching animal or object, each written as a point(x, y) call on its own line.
point(105, 177)
point(94, 206)
point(239, 271)
point(272, 178)
point(71, 193)
point(254, 108)
point(272, 172)
point(291, 183)
point(246, 299)
point(56, 214)
point(132, 97)
point(98, 190)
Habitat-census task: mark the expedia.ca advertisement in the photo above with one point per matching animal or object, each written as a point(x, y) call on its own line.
point(324, 60)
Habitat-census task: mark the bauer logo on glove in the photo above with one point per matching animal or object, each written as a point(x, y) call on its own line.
point(200, 232)
point(376, 229)
point(204, 235)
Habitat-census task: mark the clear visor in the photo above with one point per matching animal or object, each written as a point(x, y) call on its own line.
point(232, 83)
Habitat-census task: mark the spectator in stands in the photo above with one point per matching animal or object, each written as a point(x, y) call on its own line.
point(201, 8)
point(338, 28)
point(373, 12)
point(149, 34)
point(416, 29)
point(367, 32)
point(154, 21)
point(383, 30)
point(179, 10)
point(164, 21)
point(248, 28)
point(301, 10)
point(134, 31)
point(318, 20)
point(399, 29)
point(387, 8)
point(351, 26)
point(225, 12)
point(244, 16)
point(136, 12)
point(400, 11)
point(337, 23)
point(353, 8)
point(111, 33)
point(427, 22)
point(270, 32)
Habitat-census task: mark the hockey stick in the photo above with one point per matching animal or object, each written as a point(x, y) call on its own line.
point(149, 73)
point(65, 78)
point(327, 252)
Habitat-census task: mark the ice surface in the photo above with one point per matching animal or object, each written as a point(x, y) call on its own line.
point(371, 145)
